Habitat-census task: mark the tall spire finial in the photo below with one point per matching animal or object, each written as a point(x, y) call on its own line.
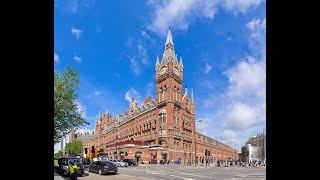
point(169, 40)
point(169, 27)
point(192, 96)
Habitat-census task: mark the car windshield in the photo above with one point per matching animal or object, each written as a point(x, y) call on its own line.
point(107, 163)
point(75, 160)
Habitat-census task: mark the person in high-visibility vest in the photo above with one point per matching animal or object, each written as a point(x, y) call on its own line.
point(71, 167)
point(56, 165)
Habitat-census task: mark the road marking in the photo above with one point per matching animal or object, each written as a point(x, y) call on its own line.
point(135, 168)
point(136, 177)
point(147, 168)
point(159, 169)
point(182, 177)
point(195, 175)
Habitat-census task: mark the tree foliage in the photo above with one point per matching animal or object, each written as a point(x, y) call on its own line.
point(75, 147)
point(67, 117)
point(58, 154)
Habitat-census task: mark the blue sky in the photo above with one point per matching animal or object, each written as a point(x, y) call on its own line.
point(114, 44)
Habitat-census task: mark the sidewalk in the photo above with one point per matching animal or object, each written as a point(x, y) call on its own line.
point(57, 176)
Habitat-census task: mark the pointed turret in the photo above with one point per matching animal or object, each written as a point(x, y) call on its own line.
point(96, 122)
point(192, 100)
point(157, 62)
point(186, 91)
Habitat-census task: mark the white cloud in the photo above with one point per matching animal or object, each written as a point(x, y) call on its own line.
point(143, 54)
point(181, 13)
point(207, 68)
point(85, 130)
point(76, 32)
point(228, 134)
point(240, 111)
point(240, 116)
point(132, 93)
point(257, 40)
point(77, 59)
point(134, 65)
point(74, 6)
point(178, 13)
point(129, 42)
point(145, 35)
point(81, 109)
point(239, 5)
point(150, 88)
point(206, 84)
point(248, 78)
point(97, 93)
point(56, 58)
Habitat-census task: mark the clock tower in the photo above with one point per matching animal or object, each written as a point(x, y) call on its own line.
point(169, 98)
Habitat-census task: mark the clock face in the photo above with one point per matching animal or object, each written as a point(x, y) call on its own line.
point(176, 71)
point(163, 70)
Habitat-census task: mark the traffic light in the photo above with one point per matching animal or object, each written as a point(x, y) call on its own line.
point(92, 149)
point(209, 153)
point(85, 150)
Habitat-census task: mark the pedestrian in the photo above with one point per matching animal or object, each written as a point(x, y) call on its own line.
point(71, 170)
point(56, 165)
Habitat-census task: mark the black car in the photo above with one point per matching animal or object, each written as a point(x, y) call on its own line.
point(65, 161)
point(103, 167)
point(130, 162)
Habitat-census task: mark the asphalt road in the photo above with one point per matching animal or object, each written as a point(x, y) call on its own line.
point(177, 172)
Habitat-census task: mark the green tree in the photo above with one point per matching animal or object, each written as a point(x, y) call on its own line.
point(75, 147)
point(67, 117)
point(59, 154)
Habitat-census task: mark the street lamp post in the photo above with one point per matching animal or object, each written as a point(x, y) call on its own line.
point(116, 144)
point(195, 142)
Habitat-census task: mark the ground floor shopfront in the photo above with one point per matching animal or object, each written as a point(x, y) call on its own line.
point(144, 153)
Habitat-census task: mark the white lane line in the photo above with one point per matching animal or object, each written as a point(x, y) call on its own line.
point(136, 177)
point(195, 175)
point(182, 177)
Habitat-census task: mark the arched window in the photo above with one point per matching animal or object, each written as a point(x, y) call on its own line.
point(177, 119)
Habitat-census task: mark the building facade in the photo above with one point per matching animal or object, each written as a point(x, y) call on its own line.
point(255, 148)
point(88, 140)
point(162, 128)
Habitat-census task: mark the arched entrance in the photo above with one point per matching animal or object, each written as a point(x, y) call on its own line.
point(137, 155)
point(122, 155)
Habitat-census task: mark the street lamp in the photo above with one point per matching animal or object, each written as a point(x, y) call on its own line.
point(195, 141)
point(116, 131)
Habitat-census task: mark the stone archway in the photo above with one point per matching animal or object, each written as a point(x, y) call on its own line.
point(137, 155)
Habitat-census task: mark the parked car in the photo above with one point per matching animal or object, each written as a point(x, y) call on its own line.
point(65, 161)
point(119, 163)
point(103, 167)
point(131, 162)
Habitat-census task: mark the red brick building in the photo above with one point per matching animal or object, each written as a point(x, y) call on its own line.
point(162, 128)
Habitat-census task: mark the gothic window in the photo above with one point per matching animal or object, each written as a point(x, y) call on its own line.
point(176, 94)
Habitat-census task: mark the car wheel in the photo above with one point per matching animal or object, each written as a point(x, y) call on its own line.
point(100, 172)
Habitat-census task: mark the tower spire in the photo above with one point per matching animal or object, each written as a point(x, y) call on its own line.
point(169, 40)
point(157, 62)
point(192, 96)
